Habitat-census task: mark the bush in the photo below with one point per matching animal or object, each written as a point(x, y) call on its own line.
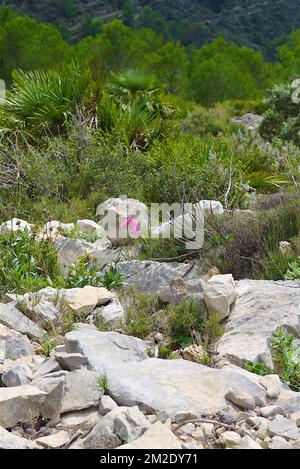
point(282, 118)
point(26, 265)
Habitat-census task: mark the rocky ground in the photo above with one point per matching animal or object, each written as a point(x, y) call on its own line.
point(105, 390)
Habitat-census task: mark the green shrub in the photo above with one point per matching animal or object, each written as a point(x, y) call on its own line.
point(182, 320)
point(293, 272)
point(282, 118)
point(26, 265)
point(48, 346)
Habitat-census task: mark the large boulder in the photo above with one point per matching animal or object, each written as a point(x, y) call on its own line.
point(219, 295)
point(82, 390)
point(103, 349)
point(154, 384)
point(260, 308)
point(10, 441)
point(49, 304)
point(13, 345)
point(12, 317)
point(69, 250)
point(150, 276)
point(14, 225)
point(18, 404)
point(123, 217)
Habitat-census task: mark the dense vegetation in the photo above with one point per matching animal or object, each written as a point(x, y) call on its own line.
point(261, 25)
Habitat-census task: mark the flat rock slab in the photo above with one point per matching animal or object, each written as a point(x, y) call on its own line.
point(178, 386)
point(18, 404)
point(14, 319)
point(10, 441)
point(150, 276)
point(103, 349)
point(158, 436)
point(261, 307)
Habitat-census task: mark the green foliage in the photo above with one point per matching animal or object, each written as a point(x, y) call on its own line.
point(26, 265)
point(293, 273)
point(282, 118)
point(48, 346)
point(82, 273)
point(287, 358)
point(103, 382)
point(182, 320)
point(42, 100)
point(112, 279)
point(258, 368)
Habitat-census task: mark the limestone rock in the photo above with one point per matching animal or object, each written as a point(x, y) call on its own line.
point(103, 349)
point(17, 404)
point(260, 308)
point(241, 398)
point(71, 361)
point(130, 424)
point(248, 443)
point(271, 411)
point(113, 313)
point(156, 437)
point(17, 376)
point(150, 276)
point(69, 250)
point(107, 404)
point(11, 317)
point(230, 439)
point(14, 225)
point(13, 344)
point(54, 387)
point(284, 427)
point(272, 384)
point(219, 295)
point(10, 441)
point(56, 440)
point(280, 443)
point(81, 390)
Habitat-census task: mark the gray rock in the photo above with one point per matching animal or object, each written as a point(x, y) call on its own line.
point(248, 443)
point(149, 276)
point(107, 404)
point(10, 441)
point(69, 250)
point(105, 348)
point(260, 308)
point(280, 443)
point(71, 361)
point(272, 384)
point(181, 290)
point(219, 295)
point(157, 385)
point(11, 317)
point(56, 440)
point(271, 411)
point(49, 365)
point(103, 434)
point(17, 376)
point(130, 424)
point(13, 344)
point(230, 439)
point(19, 403)
point(113, 313)
point(82, 390)
point(80, 418)
point(284, 427)
point(158, 436)
point(54, 387)
point(241, 398)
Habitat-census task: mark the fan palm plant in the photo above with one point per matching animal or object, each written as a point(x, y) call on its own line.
point(42, 99)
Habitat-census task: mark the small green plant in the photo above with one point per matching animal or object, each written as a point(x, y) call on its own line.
point(293, 273)
point(258, 368)
point(104, 382)
point(165, 352)
point(182, 320)
point(287, 358)
point(112, 279)
point(82, 273)
point(48, 346)
point(26, 265)
point(286, 355)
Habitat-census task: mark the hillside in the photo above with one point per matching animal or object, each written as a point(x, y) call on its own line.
point(262, 25)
